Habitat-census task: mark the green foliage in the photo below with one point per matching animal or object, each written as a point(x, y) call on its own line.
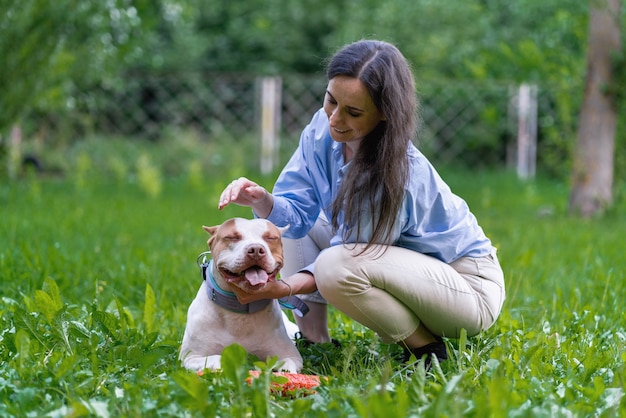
point(65, 60)
point(618, 88)
point(179, 154)
point(522, 41)
point(51, 47)
point(29, 53)
point(530, 41)
point(265, 37)
point(97, 281)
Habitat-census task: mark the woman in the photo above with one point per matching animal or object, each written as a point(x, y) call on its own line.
point(374, 230)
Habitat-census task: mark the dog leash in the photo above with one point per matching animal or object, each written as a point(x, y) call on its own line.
point(228, 300)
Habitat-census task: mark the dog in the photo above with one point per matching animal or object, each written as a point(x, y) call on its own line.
point(247, 253)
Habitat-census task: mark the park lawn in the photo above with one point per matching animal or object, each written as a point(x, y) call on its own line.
point(97, 274)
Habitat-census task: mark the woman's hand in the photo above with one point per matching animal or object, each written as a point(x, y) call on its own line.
point(299, 283)
point(272, 290)
point(244, 192)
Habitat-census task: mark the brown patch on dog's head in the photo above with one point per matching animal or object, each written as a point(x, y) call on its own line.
point(213, 231)
point(247, 252)
point(273, 233)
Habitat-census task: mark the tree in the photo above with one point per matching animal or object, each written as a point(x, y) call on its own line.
point(49, 47)
point(593, 163)
point(30, 43)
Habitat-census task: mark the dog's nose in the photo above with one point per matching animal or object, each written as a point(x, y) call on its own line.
point(256, 251)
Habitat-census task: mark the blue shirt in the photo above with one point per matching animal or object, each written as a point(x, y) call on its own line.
point(432, 220)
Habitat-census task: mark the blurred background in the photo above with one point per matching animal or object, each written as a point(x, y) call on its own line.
point(85, 83)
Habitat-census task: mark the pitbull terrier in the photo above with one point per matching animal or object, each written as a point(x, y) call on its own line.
point(247, 253)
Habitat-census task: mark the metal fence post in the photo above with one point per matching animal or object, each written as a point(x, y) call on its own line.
point(271, 88)
point(526, 131)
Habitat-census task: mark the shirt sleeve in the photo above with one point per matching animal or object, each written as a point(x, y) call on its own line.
point(437, 222)
point(309, 269)
point(297, 190)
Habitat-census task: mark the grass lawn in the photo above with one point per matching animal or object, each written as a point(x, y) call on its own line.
point(97, 274)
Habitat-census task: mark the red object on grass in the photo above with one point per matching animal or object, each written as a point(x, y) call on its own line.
point(297, 383)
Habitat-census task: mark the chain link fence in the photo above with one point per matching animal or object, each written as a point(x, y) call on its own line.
point(468, 123)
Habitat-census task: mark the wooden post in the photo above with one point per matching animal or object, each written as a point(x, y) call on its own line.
point(15, 152)
point(271, 88)
point(526, 131)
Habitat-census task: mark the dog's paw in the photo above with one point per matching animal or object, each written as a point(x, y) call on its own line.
point(198, 363)
point(289, 366)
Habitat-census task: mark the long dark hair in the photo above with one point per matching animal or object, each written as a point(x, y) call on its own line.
point(375, 183)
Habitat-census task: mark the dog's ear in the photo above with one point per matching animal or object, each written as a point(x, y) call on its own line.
point(210, 229)
point(283, 229)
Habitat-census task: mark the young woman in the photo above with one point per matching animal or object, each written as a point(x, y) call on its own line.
point(374, 229)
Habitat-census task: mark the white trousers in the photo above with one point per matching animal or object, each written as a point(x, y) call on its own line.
point(395, 290)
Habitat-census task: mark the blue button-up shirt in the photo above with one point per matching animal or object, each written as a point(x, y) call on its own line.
point(432, 220)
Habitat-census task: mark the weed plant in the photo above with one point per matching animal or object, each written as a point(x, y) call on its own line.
point(98, 271)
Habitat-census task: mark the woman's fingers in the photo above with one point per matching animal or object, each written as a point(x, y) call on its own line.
point(242, 192)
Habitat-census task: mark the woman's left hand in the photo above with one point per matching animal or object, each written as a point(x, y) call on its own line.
point(299, 283)
point(247, 193)
point(269, 291)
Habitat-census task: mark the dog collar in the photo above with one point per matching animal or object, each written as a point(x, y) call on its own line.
point(228, 300)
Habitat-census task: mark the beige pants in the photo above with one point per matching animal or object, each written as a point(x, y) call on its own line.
point(394, 292)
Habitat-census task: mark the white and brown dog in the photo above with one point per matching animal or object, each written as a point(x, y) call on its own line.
point(247, 253)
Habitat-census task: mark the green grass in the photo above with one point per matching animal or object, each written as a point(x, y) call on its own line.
point(97, 273)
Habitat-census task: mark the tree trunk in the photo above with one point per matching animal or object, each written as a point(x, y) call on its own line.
point(592, 175)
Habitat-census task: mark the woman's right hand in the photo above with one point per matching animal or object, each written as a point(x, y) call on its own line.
point(245, 192)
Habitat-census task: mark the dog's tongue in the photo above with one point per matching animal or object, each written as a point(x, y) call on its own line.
point(256, 275)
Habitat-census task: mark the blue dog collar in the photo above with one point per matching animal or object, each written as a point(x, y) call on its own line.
point(228, 300)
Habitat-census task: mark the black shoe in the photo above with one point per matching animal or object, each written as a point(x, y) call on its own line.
point(303, 342)
point(438, 348)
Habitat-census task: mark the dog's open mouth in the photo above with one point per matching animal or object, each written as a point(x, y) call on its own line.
point(254, 275)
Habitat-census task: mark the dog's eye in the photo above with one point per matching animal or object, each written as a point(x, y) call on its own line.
point(271, 238)
point(232, 237)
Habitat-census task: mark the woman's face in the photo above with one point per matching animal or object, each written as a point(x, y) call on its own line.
point(350, 110)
